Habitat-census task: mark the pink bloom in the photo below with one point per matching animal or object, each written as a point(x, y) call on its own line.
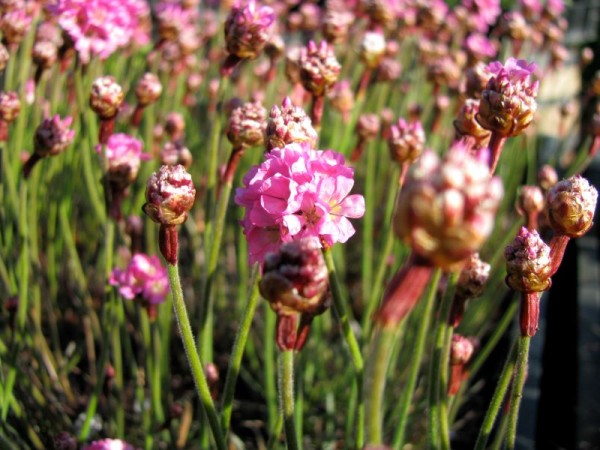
point(144, 276)
point(122, 149)
point(108, 444)
point(100, 27)
point(479, 46)
point(298, 192)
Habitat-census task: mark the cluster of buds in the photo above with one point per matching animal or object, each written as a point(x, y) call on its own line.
point(368, 127)
point(406, 142)
point(247, 30)
point(461, 352)
point(528, 267)
point(295, 282)
point(147, 90)
point(530, 203)
point(106, 99)
point(445, 212)
point(124, 156)
point(170, 195)
point(10, 107)
point(319, 70)
point(471, 284)
point(51, 138)
point(287, 124)
point(508, 103)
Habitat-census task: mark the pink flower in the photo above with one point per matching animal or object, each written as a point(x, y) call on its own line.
point(298, 192)
point(100, 27)
point(108, 444)
point(479, 46)
point(144, 276)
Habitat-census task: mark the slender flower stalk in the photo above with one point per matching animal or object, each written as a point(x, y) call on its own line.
point(286, 390)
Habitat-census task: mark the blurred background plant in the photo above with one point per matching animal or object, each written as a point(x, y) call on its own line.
point(97, 95)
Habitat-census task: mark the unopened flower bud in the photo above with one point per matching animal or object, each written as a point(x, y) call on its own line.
point(461, 349)
point(170, 195)
point(528, 263)
point(466, 125)
point(547, 177)
point(4, 56)
point(473, 278)
point(406, 141)
point(530, 202)
point(148, 89)
point(295, 281)
point(174, 153)
point(10, 106)
point(175, 125)
point(53, 136)
point(319, 68)
point(341, 97)
point(336, 24)
point(446, 209)
point(44, 54)
point(508, 103)
point(106, 97)
point(570, 206)
point(368, 126)
point(247, 124)
point(289, 124)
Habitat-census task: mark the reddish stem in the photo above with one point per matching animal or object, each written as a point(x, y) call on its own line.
point(136, 118)
point(316, 111)
point(229, 65)
point(303, 331)
point(403, 292)
point(3, 130)
point(594, 146)
point(532, 221)
point(28, 166)
point(529, 315)
point(558, 245)
point(106, 130)
point(358, 150)
point(403, 171)
point(363, 84)
point(456, 378)
point(285, 334)
point(168, 242)
point(496, 144)
point(457, 311)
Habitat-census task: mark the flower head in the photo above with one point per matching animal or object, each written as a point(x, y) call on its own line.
point(106, 97)
point(144, 276)
point(246, 126)
point(473, 277)
point(53, 136)
point(446, 208)
point(528, 263)
point(461, 349)
point(288, 124)
point(170, 195)
point(406, 141)
point(148, 89)
point(297, 192)
point(247, 29)
point(372, 49)
point(124, 155)
point(10, 106)
point(570, 206)
point(100, 27)
point(466, 125)
point(508, 103)
point(319, 68)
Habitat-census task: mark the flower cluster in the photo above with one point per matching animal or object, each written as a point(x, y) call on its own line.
point(508, 102)
point(144, 276)
point(528, 262)
point(247, 29)
point(100, 27)
point(124, 155)
point(298, 192)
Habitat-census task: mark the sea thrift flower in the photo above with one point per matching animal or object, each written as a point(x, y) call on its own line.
point(372, 49)
point(508, 103)
point(367, 128)
point(461, 351)
point(530, 202)
point(51, 138)
point(479, 47)
point(471, 283)
point(295, 282)
point(124, 155)
point(341, 98)
point(297, 192)
point(108, 444)
point(170, 195)
point(335, 25)
point(406, 142)
point(570, 206)
point(175, 125)
point(106, 97)
point(289, 124)
point(247, 30)
point(475, 80)
point(174, 153)
point(147, 90)
point(44, 55)
point(14, 26)
point(446, 209)
point(528, 267)
point(4, 56)
point(10, 106)
point(547, 177)
point(145, 277)
point(100, 27)
point(246, 125)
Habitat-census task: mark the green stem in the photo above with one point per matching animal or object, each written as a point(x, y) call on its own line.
point(339, 305)
point(159, 414)
point(517, 390)
point(497, 399)
point(368, 223)
point(193, 357)
point(286, 391)
point(238, 351)
point(418, 351)
point(269, 357)
point(438, 373)
point(383, 345)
